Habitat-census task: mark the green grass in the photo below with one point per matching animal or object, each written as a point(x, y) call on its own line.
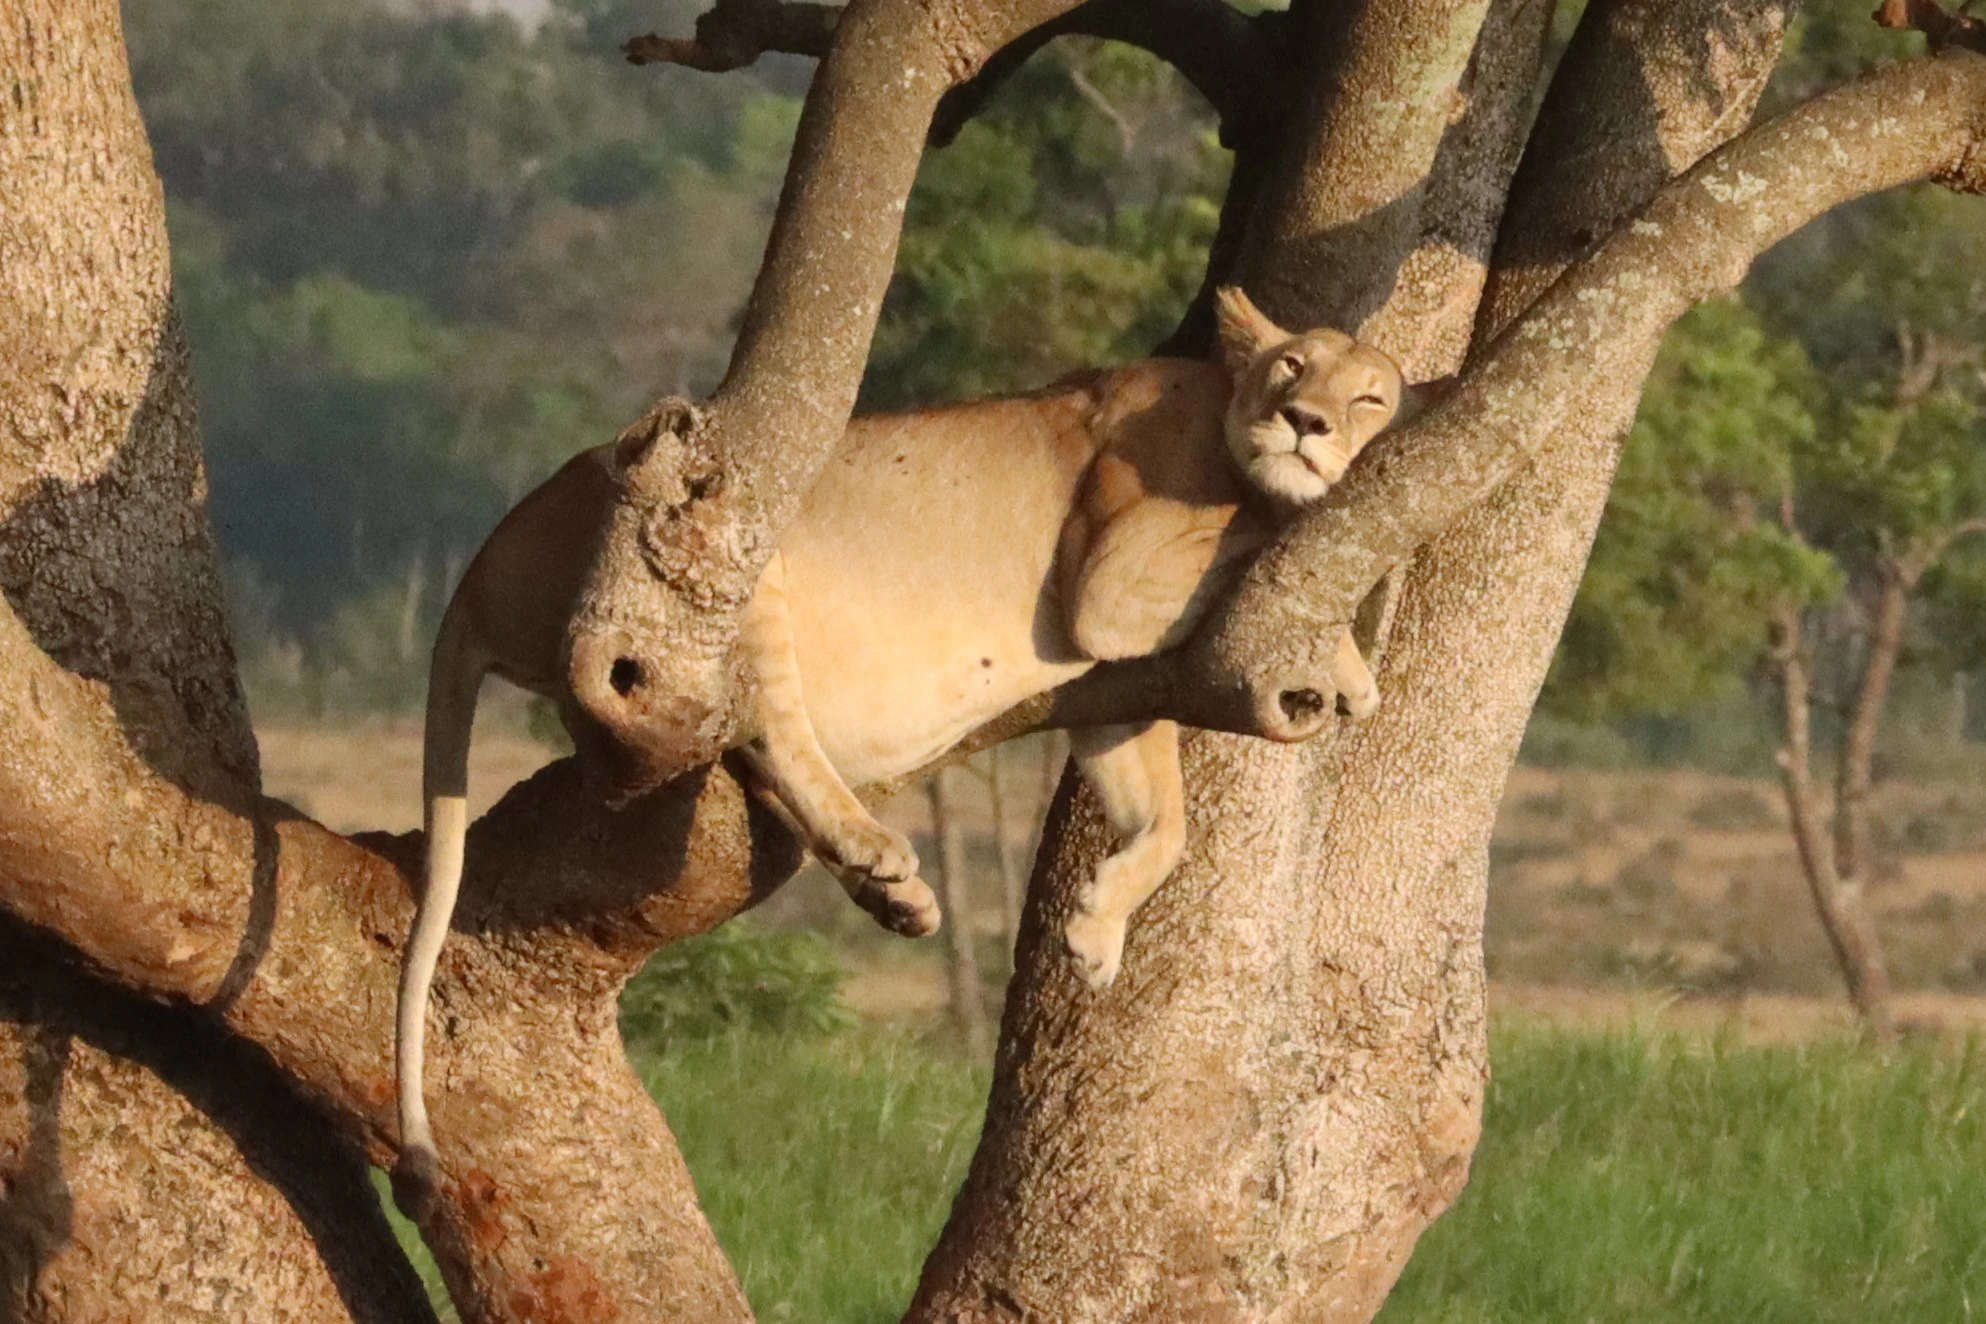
point(827, 1166)
point(1659, 1179)
point(1621, 1177)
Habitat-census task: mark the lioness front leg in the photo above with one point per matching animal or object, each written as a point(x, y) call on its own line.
point(1135, 772)
point(1353, 679)
point(876, 866)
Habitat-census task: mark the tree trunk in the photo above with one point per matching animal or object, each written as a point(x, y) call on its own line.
point(155, 1170)
point(968, 995)
point(1283, 1088)
point(1013, 884)
point(148, 1167)
point(133, 841)
point(1855, 769)
point(1838, 898)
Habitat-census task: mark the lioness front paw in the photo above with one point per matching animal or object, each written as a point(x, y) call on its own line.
point(865, 846)
point(906, 906)
point(1097, 944)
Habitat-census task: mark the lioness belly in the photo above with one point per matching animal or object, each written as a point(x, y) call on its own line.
point(920, 574)
point(878, 712)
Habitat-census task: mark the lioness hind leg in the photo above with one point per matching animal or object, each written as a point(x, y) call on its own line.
point(1135, 772)
point(876, 866)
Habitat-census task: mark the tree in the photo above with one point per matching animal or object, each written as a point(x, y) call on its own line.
point(1782, 507)
point(1284, 1087)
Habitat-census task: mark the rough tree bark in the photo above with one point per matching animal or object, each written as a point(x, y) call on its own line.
point(1283, 1088)
point(133, 840)
point(155, 1169)
point(148, 1166)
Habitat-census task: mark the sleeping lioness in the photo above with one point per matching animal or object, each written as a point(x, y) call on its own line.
point(945, 566)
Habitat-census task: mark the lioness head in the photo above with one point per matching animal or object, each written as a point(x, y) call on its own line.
point(1303, 405)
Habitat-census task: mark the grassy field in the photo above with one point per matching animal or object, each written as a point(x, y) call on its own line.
point(1622, 1176)
point(827, 1166)
point(1668, 1179)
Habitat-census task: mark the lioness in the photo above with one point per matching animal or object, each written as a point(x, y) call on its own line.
point(945, 566)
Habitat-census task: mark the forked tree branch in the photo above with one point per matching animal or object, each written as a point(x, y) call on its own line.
point(1224, 53)
point(1855, 764)
point(1227, 56)
point(1837, 896)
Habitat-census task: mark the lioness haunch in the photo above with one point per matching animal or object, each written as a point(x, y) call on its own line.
point(946, 565)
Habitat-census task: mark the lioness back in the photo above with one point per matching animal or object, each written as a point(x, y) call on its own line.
point(921, 571)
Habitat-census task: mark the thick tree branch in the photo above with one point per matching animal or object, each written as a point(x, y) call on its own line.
point(136, 1140)
point(1642, 86)
point(1581, 348)
point(1226, 55)
point(292, 936)
point(1428, 321)
point(734, 33)
point(1325, 246)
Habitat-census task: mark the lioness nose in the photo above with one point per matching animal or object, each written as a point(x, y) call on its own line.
point(1306, 422)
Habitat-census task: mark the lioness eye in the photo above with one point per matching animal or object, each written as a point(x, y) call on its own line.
point(1370, 400)
point(1291, 364)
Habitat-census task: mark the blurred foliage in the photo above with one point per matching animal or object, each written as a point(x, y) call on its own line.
point(1691, 552)
point(1790, 437)
point(1068, 226)
point(425, 256)
point(737, 977)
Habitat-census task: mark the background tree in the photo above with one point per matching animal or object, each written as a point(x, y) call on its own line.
point(1781, 510)
point(1283, 1089)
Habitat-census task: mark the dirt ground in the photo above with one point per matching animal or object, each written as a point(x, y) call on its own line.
point(1691, 881)
point(1667, 897)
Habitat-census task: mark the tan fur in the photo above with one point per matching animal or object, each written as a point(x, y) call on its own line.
point(1167, 517)
point(945, 566)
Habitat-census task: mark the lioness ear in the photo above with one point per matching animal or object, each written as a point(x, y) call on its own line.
point(1244, 329)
